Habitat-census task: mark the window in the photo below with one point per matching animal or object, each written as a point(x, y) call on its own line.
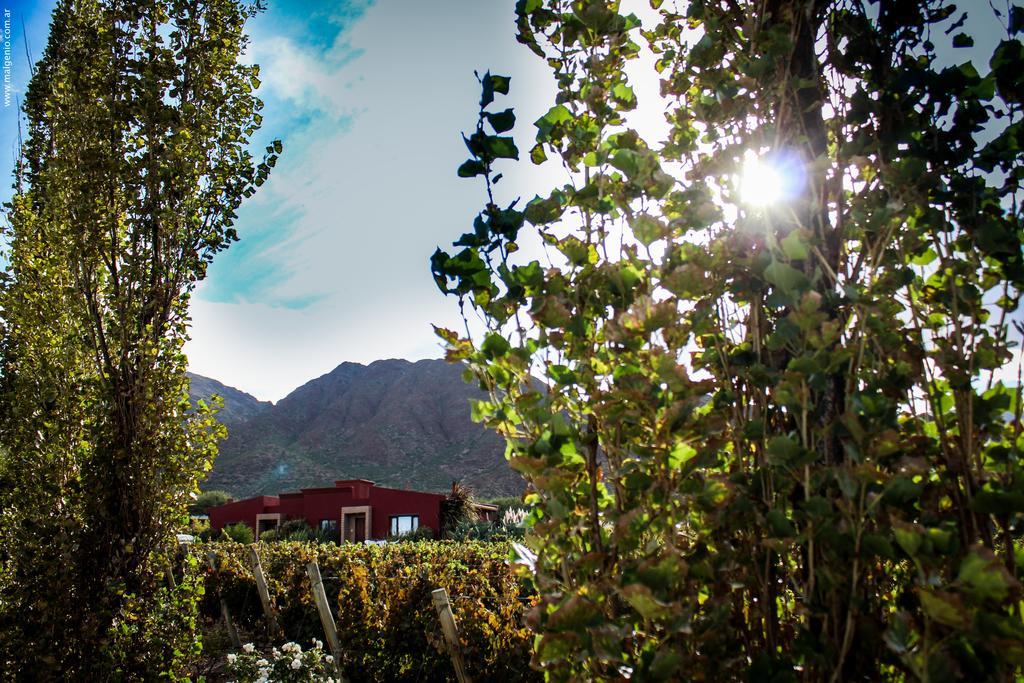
point(404, 524)
point(329, 525)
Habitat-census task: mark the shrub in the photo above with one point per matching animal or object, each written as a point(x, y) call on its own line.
point(423, 533)
point(480, 530)
point(208, 499)
point(387, 623)
point(289, 663)
point(239, 533)
point(459, 506)
point(300, 531)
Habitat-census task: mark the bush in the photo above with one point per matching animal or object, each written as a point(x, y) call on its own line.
point(423, 533)
point(299, 530)
point(239, 533)
point(480, 530)
point(387, 624)
point(289, 663)
point(208, 499)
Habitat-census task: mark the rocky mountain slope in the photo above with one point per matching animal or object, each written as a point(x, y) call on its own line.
point(238, 406)
point(397, 423)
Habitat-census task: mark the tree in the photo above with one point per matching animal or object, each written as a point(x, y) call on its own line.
point(139, 116)
point(772, 440)
point(208, 499)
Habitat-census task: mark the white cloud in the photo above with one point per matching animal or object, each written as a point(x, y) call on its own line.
point(368, 198)
point(366, 189)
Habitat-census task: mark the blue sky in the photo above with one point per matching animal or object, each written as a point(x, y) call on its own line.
point(369, 98)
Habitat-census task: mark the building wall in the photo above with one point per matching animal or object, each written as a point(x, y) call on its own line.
point(316, 504)
point(241, 511)
point(388, 502)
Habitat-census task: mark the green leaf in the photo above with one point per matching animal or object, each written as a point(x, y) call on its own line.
point(502, 121)
point(537, 154)
point(785, 277)
point(502, 147)
point(998, 502)
point(647, 229)
point(877, 545)
point(643, 601)
point(491, 84)
point(944, 608)
point(500, 83)
point(783, 449)
point(626, 160)
point(793, 245)
point(963, 40)
point(680, 454)
point(666, 664)
point(495, 345)
point(908, 537)
point(555, 116)
point(780, 525)
point(471, 168)
point(624, 95)
point(985, 577)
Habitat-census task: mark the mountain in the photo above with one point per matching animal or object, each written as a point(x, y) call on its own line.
point(238, 405)
point(400, 424)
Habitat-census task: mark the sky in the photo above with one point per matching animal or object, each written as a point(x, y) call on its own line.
point(333, 265)
point(369, 99)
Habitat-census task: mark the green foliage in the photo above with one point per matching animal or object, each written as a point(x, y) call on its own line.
point(763, 442)
point(506, 503)
point(480, 530)
point(421, 533)
point(208, 499)
point(239, 532)
point(299, 530)
point(388, 626)
point(139, 116)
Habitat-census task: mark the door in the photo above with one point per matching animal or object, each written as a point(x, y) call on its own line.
point(355, 527)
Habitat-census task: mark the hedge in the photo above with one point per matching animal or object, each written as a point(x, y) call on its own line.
point(387, 624)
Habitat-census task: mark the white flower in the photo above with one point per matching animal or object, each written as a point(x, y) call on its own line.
point(248, 648)
point(329, 659)
point(231, 658)
point(291, 647)
point(317, 644)
point(276, 653)
point(262, 679)
point(262, 663)
point(296, 663)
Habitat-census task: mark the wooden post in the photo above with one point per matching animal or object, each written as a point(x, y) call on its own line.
point(211, 557)
point(451, 632)
point(320, 597)
point(169, 573)
point(264, 591)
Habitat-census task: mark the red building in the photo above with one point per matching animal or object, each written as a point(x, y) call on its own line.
point(357, 507)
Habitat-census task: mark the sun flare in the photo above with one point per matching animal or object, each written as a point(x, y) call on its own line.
point(762, 183)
